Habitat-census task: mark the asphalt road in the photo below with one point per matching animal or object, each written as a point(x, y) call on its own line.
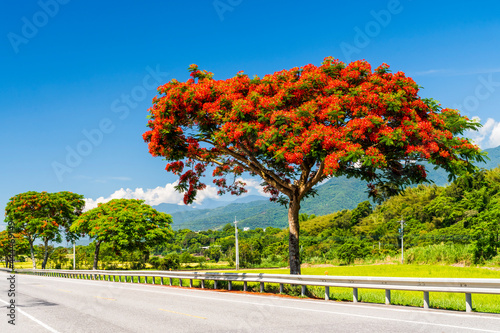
point(46, 304)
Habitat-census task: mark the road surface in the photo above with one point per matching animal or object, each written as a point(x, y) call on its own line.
point(47, 304)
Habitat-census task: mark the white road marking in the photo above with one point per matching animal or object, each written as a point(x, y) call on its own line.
point(50, 329)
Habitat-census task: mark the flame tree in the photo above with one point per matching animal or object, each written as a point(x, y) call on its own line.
point(44, 215)
point(298, 127)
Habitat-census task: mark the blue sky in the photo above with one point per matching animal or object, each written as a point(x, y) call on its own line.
point(77, 77)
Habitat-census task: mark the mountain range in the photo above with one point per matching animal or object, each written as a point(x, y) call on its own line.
point(256, 211)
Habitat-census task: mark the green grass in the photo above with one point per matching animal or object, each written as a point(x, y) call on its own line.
point(450, 301)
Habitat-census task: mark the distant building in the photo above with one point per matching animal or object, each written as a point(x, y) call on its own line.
point(246, 228)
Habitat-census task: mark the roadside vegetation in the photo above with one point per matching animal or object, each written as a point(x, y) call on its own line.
point(450, 231)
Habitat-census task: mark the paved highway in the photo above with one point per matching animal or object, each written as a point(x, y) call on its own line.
point(46, 304)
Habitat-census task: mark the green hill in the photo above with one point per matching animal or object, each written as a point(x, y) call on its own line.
point(334, 195)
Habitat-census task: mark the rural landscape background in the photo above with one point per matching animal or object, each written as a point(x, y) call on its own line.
point(79, 79)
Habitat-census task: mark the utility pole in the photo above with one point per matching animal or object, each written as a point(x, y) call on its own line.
point(74, 255)
point(237, 248)
point(401, 235)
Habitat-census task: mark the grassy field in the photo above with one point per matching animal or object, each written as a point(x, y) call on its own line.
point(450, 301)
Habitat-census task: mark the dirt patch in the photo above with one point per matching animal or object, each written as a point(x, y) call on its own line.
point(492, 268)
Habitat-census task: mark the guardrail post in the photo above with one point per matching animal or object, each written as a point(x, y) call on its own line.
point(215, 284)
point(161, 280)
point(468, 302)
point(170, 281)
point(154, 282)
point(387, 296)
point(229, 285)
point(202, 284)
point(180, 282)
point(245, 287)
point(190, 283)
point(281, 288)
point(426, 299)
point(327, 293)
point(355, 297)
point(303, 290)
point(262, 287)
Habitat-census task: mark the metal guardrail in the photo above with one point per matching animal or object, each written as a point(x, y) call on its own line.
point(425, 285)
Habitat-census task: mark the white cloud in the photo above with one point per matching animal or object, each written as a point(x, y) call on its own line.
point(168, 194)
point(254, 185)
point(487, 136)
point(153, 197)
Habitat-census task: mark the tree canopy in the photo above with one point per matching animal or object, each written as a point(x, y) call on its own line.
point(44, 215)
point(126, 224)
point(298, 127)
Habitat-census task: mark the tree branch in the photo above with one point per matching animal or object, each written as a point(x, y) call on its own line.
point(316, 178)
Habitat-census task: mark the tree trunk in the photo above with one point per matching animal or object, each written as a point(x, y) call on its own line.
point(96, 255)
point(45, 252)
point(32, 250)
point(293, 241)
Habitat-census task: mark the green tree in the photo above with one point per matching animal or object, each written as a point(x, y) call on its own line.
point(44, 215)
point(352, 249)
point(60, 257)
point(125, 224)
point(170, 261)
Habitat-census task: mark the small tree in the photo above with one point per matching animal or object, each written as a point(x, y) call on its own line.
point(20, 245)
point(44, 215)
point(296, 128)
point(352, 249)
point(126, 224)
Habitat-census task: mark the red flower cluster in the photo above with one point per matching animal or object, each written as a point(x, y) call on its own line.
point(334, 119)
